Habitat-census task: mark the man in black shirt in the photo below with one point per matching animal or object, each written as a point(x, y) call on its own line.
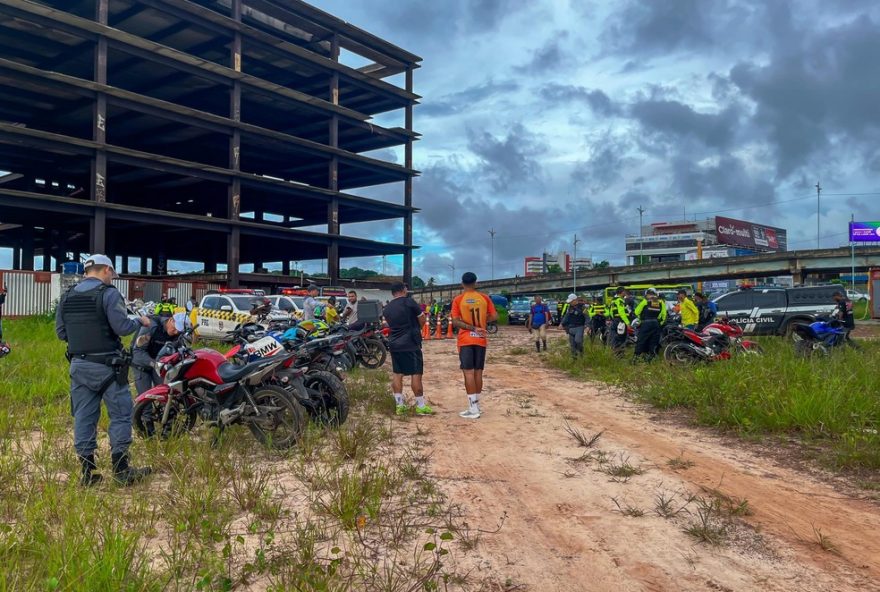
point(2, 302)
point(406, 319)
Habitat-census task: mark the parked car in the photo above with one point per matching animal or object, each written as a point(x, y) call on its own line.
point(220, 312)
point(518, 313)
point(775, 311)
point(856, 296)
point(292, 305)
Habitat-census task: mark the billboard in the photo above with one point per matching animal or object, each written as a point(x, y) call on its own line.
point(864, 232)
point(739, 233)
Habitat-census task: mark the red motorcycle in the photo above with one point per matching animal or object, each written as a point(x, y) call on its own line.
point(717, 341)
point(202, 383)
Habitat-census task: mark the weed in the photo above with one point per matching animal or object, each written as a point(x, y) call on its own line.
point(518, 351)
point(823, 541)
point(580, 437)
point(707, 526)
point(665, 506)
point(679, 463)
point(626, 509)
point(622, 471)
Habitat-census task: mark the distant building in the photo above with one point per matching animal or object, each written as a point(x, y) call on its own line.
point(539, 265)
point(720, 237)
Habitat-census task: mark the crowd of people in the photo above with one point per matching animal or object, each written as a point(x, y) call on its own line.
point(92, 319)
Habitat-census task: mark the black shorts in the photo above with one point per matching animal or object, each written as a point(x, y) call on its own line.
point(407, 363)
point(472, 357)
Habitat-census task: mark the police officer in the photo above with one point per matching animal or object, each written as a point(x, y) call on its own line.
point(844, 311)
point(574, 321)
point(651, 313)
point(147, 344)
point(597, 318)
point(165, 308)
point(619, 321)
point(91, 318)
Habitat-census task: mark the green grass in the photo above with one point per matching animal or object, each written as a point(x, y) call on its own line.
point(344, 510)
point(834, 400)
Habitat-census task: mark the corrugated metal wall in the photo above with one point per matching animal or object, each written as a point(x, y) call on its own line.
point(35, 292)
point(28, 292)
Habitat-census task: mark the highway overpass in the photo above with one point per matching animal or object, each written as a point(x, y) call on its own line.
point(798, 264)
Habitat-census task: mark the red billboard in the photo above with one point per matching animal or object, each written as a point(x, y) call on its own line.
point(739, 233)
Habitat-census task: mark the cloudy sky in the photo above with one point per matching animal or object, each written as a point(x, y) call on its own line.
point(549, 118)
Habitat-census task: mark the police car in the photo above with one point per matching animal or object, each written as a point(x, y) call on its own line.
point(220, 312)
point(775, 310)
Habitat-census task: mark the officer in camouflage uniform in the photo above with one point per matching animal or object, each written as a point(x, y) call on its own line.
point(91, 317)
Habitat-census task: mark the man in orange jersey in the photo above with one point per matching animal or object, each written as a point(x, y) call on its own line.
point(472, 311)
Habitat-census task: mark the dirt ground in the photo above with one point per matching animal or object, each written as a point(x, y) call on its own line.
point(565, 532)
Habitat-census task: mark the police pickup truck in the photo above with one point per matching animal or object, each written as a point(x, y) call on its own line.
point(775, 310)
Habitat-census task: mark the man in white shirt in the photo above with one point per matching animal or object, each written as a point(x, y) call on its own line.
point(310, 303)
point(350, 314)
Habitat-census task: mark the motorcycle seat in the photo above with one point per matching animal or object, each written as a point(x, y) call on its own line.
point(234, 373)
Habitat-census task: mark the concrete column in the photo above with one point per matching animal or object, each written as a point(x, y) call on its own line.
point(98, 169)
point(408, 188)
point(233, 210)
point(285, 267)
point(333, 173)
point(27, 251)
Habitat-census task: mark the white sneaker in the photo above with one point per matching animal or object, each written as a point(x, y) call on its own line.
point(470, 414)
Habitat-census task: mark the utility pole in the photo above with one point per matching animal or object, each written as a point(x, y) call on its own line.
point(852, 253)
point(641, 245)
point(818, 219)
point(492, 234)
point(451, 266)
point(574, 268)
point(383, 265)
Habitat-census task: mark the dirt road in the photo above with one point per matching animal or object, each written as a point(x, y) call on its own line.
point(564, 532)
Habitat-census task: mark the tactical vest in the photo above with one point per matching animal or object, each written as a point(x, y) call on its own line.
point(651, 310)
point(597, 310)
point(576, 316)
point(159, 339)
point(616, 305)
point(86, 324)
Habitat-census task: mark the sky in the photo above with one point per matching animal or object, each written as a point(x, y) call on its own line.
point(546, 119)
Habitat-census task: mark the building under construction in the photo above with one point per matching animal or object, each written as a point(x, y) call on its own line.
point(214, 131)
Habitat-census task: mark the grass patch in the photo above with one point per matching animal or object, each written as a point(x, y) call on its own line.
point(347, 509)
point(832, 402)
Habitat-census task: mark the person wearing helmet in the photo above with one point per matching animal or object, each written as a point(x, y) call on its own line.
point(147, 344)
point(651, 314)
point(539, 318)
point(574, 321)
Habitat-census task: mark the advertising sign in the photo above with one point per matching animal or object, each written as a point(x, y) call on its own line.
point(864, 232)
point(739, 233)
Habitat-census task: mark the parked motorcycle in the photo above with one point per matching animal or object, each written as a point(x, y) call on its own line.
point(203, 384)
point(820, 338)
point(321, 392)
point(718, 341)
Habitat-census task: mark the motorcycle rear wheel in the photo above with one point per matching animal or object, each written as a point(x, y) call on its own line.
point(679, 354)
point(147, 418)
point(492, 328)
point(329, 396)
point(285, 425)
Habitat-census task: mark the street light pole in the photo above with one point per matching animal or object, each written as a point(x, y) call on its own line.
point(452, 266)
point(574, 269)
point(492, 234)
point(818, 219)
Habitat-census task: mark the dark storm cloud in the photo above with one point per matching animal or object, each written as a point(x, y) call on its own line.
point(547, 58)
point(727, 181)
point(466, 99)
point(564, 94)
point(607, 159)
point(828, 88)
point(509, 161)
point(677, 120)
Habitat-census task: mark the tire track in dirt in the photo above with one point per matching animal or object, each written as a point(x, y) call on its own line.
point(562, 532)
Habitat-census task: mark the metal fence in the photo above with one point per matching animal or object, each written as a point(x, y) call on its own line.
point(36, 292)
point(29, 292)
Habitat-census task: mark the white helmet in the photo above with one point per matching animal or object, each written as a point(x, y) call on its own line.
point(571, 298)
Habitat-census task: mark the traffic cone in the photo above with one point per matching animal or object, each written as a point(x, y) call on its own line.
point(426, 331)
point(449, 332)
point(438, 334)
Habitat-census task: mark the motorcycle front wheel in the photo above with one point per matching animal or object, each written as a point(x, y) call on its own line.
point(282, 419)
point(679, 354)
point(492, 328)
point(147, 419)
